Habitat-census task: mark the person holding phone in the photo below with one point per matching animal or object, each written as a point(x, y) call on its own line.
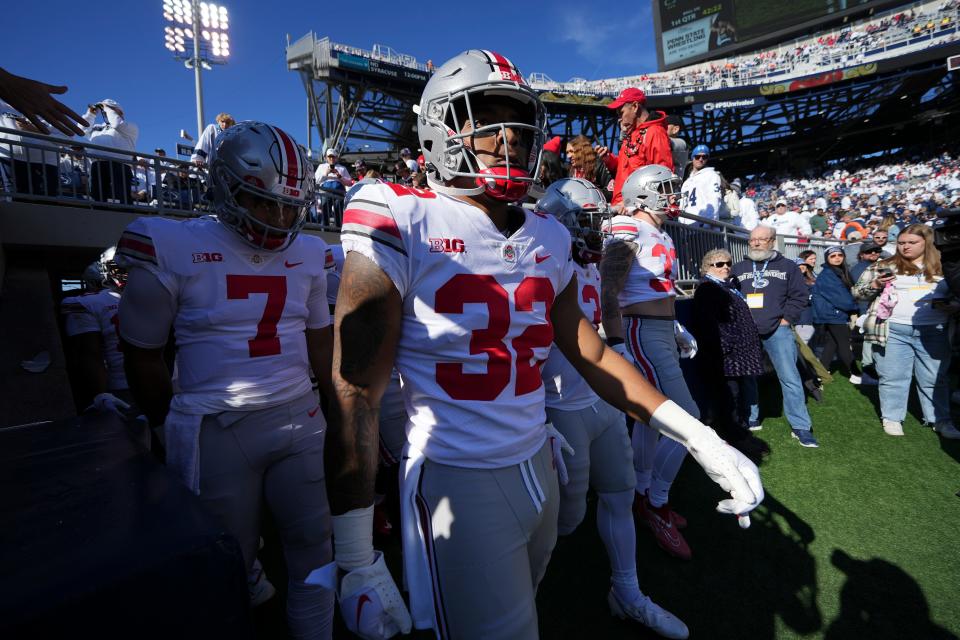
point(913, 338)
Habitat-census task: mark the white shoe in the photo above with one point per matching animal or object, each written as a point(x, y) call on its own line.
point(892, 428)
point(650, 614)
point(947, 430)
point(855, 379)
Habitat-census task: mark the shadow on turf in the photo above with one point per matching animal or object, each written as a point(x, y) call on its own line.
point(879, 600)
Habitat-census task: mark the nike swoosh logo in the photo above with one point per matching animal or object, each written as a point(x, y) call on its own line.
point(364, 599)
point(314, 412)
point(290, 265)
point(540, 258)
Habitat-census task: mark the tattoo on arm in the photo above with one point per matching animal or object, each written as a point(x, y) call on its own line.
point(614, 267)
point(366, 330)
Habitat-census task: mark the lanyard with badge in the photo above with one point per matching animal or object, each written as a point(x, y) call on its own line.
point(755, 300)
point(725, 285)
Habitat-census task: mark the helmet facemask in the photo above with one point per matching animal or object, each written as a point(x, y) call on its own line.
point(112, 275)
point(506, 179)
point(260, 234)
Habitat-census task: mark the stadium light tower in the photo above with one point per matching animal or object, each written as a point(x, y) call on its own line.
point(197, 33)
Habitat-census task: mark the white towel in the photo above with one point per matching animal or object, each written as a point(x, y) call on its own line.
point(416, 571)
point(182, 436)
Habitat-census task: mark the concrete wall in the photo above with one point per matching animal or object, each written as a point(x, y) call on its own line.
point(28, 324)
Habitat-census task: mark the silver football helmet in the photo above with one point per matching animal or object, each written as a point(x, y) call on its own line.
point(580, 206)
point(112, 275)
point(654, 189)
point(449, 100)
point(267, 163)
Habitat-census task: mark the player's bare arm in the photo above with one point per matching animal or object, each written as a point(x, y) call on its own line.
point(621, 384)
point(366, 330)
point(149, 381)
point(612, 377)
point(614, 268)
point(320, 354)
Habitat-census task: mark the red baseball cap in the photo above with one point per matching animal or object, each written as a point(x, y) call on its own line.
point(630, 94)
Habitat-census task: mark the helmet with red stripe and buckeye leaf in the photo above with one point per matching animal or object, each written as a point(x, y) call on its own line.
point(454, 92)
point(266, 163)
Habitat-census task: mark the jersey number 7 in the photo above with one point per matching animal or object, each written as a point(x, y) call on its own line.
point(239, 287)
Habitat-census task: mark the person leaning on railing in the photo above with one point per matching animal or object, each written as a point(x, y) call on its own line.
point(27, 165)
point(908, 325)
point(111, 174)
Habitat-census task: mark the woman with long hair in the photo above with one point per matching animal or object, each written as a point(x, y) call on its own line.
point(907, 323)
point(832, 305)
point(806, 262)
point(584, 163)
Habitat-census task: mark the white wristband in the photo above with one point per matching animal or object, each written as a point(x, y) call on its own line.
point(353, 539)
point(671, 420)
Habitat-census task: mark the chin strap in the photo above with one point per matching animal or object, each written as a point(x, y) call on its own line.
point(439, 187)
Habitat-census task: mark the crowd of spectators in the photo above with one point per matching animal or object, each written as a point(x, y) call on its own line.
point(852, 44)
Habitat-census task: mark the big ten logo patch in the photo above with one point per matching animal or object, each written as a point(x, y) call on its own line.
point(447, 245)
point(208, 257)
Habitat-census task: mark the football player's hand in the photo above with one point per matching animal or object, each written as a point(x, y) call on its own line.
point(109, 402)
point(621, 349)
point(559, 444)
point(733, 471)
point(370, 602)
point(685, 340)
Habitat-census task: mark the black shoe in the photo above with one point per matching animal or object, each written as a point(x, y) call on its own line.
point(813, 390)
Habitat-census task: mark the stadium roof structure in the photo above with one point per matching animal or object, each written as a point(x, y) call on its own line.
point(360, 102)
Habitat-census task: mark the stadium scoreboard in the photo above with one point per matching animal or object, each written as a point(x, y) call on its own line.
point(689, 31)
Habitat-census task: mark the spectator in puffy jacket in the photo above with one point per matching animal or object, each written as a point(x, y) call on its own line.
point(833, 305)
point(804, 325)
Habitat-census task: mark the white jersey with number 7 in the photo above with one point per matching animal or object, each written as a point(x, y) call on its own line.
point(240, 312)
point(476, 318)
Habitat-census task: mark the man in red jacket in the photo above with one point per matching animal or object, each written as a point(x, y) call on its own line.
point(644, 137)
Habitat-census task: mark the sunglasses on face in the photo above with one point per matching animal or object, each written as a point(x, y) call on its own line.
point(700, 157)
point(722, 263)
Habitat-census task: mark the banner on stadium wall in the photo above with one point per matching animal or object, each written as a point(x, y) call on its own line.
point(722, 105)
point(369, 65)
point(819, 80)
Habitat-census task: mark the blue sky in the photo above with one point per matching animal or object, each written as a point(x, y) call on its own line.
point(115, 49)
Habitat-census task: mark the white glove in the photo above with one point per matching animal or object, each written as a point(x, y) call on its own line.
point(109, 402)
point(685, 340)
point(726, 466)
point(559, 444)
point(621, 348)
point(370, 602)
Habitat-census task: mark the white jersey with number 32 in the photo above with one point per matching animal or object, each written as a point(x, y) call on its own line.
point(565, 387)
point(476, 318)
point(241, 312)
point(651, 273)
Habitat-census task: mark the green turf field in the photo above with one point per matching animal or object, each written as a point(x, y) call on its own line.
point(857, 539)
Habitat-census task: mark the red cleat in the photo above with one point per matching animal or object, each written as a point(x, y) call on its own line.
point(664, 524)
point(638, 506)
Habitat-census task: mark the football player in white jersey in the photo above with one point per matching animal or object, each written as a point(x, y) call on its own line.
point(465, 293)
point(702, 192)
point(90, 321)
point(245, 294)
point(639, 322)
point(595, 430)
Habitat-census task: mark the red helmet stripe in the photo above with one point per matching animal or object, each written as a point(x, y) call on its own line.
point(507, 70)
point(290, 154)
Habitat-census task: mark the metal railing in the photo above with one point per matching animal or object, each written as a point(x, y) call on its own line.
point(77, 173)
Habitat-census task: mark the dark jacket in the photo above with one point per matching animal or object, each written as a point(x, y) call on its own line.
point(726, 335)
point(784, 292)
point(807, 316)
point(832, 301)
